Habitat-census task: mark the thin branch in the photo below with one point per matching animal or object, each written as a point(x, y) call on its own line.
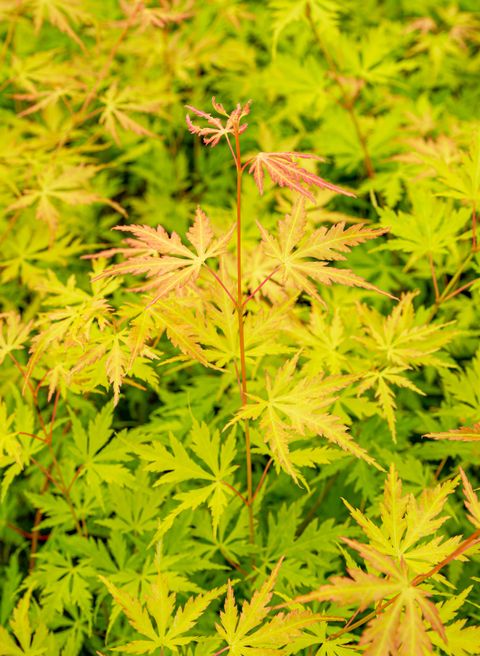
point(452, 282)
point(74, 478)
point(222, 651)
point(220, 282)
point(28, 383)
point(35, 437)
point(469, 542)
point(26, 534)
point(53, 417)
point(262, 479)
point(257, 289)
point(461, 289)
point(235, 565)
point(347, 102)
point(474, 228)
point(438, 470)
point(47, 474)
point(232, 151)
point(111, 55)
point(235, 491)
point(241, 333)
point(313, 510)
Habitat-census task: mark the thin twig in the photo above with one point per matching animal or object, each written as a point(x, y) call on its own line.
point(235, 491)
point(241, 333)
point(26, 534)
point(461, 289)
point(260, 285)
point(262, 479)
point(222, 651)
point(220, 282)
point(474, 228)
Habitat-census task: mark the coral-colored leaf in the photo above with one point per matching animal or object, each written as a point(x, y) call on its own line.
point(303, 260)
point(166, 262)
point(286, 172)
point(463, 434)
point(472, 502)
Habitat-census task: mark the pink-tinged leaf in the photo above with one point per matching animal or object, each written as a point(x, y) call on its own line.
point(463, 434)
point(144, 17)
point(471, 500)
point(378, 560)
point(381, 635)
point(200, 234)
point(156, 239)
point(212, 135)
point(115, 367)
point(359, 588)
point(286, 172)
point(303, 260)
point(166, 262)
point(330, 243)
point(413, 637)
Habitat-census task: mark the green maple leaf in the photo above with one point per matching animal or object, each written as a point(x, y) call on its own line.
point(404, 545)
point(27, 641)
point(303, 259)
point(157, 619)
point(251, 633)
point(98, 454)
point(296, 409)
point(213, 468)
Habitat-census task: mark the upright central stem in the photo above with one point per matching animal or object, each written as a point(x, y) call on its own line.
point(241, 333)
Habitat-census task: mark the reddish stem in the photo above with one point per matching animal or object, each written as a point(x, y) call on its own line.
point(460, 289)
point(464, 546)
point(241, 333)
point(257, 289)
point(222, 651)
point(235, 491)
point(27, 535)
point(220, 282)
point(262, 479)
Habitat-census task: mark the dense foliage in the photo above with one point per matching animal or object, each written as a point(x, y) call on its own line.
point(239, 422)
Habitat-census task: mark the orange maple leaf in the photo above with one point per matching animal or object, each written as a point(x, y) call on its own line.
point(286, 172)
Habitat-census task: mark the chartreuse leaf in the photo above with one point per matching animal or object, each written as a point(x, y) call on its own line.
point(157, 617)
point(402, 546)
point(16, 449)
point(100, 456)
point(26, 640)
point(251, 633)
point(178, 466)
point(302, 258)
point(13, 334)
point(287, 12)
point(408, 525)
point(460, 640)
point(397, 343)
point(472, 502)
point(69, 185)
point(431, 228)
point(296, 409)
